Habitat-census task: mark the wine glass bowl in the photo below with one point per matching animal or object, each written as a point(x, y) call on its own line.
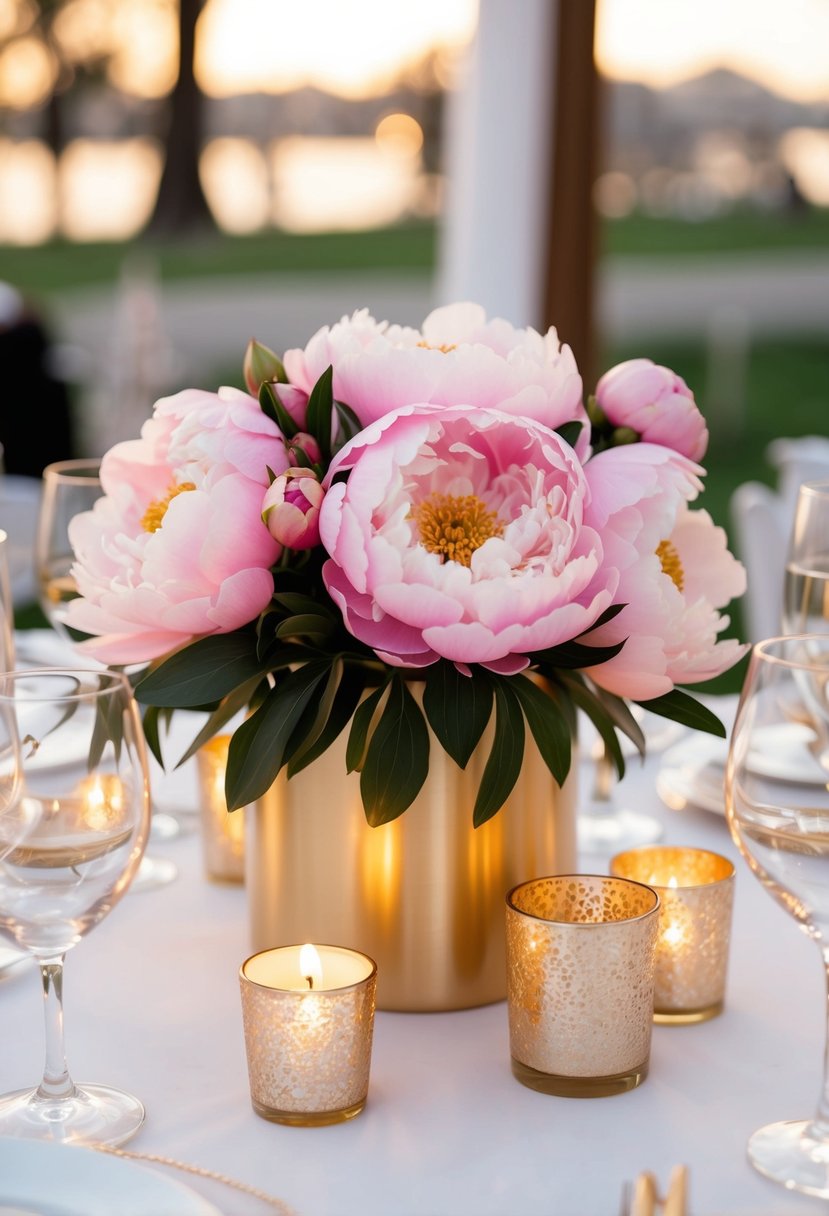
point(69, 488)
point(779, 819)
point(806, 579)
point(74, 787)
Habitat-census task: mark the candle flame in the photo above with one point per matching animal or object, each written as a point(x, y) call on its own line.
point(310, 965)
point(672, 882)
point(673, 935)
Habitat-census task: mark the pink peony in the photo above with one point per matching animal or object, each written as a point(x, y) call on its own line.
point(675, 572)
point(458, 356)
point(655, 403)
point(291, 509)
point(460, 533)
point(176, 548)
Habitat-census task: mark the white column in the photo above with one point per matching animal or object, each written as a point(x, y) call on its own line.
point(497, 161)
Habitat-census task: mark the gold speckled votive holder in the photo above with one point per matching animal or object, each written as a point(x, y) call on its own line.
point(580, 953)
point(696, 889)
point(308, 1031)
point(222, 832)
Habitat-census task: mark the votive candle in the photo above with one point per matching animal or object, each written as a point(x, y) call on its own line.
point(308, 1014)
point(580, 951)
point(696, 889)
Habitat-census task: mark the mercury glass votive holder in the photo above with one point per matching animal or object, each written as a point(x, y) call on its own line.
point(696, 889)
point(308, 1033)
point(222, 832)
point(580, 950)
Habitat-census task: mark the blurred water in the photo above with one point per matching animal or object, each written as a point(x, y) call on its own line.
point(105, 190)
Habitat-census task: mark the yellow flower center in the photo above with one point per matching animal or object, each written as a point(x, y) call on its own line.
point(444, 347)
point(153, 517)
point(671, 564)
point(454, 526)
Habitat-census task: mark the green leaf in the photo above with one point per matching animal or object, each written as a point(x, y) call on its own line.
point(273, 408)
point(622, 718)
point(320, 406)
point(345, 702)
point(306, 625)
point(458, 708)
point(680, 707)
point(548, 724)
point(232, 704)
point(202, 672)
point(316, 712)
point(355, 752)
point(397, 760)
point(569, 432)
point(349, 423)
point(586, 700)
point(571, 655)
point(257, 749)
point(296, 603)
point(506, 757)
point(149, 721)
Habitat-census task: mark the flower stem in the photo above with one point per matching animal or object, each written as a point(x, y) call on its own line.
point(56, 1083)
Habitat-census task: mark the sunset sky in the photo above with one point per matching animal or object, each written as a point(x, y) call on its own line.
point(360, 47)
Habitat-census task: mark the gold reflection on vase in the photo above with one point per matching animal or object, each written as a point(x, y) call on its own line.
point(223, 832)
point(424, 894)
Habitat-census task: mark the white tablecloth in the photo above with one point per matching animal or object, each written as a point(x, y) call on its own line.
point(152, 1005)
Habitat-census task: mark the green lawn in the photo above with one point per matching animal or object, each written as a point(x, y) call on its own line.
point(411, 247)
point(60, 265)
point(738, 232)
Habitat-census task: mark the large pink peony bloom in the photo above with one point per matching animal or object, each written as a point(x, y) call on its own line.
point(458, 356)
point(460, 533)
point(656, 403)
point(177, 548)
point(675, 573)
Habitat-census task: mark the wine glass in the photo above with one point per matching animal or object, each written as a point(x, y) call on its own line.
point(73, 769)
point(806, 581)
point(70, 487)
point(780, 821)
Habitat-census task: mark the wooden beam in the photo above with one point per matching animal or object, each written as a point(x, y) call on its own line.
point(571, 232)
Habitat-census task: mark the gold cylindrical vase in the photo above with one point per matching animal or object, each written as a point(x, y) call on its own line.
point(422, 895)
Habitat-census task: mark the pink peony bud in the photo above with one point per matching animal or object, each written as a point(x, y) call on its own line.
point(291, 509)
point(654, 402)
point(307, 445)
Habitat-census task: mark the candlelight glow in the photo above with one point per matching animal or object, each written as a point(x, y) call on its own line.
point(310, 966)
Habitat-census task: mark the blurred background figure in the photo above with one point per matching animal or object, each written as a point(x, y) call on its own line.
point(35, 414)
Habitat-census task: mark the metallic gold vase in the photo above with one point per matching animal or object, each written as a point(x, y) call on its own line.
point(424, 895)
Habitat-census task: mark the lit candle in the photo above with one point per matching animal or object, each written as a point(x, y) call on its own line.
point(308, 1014)
point(222, 831)
point(696, 889)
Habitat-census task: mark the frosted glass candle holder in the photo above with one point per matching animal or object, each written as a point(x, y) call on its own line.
point(696, 889)
point(308, 1014)
point(580, 952)
point(222, 833)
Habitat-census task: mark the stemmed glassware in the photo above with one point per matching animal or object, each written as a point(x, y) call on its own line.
point(779, 818)
point(806, 582)
point(74, 818)
point(70, 487)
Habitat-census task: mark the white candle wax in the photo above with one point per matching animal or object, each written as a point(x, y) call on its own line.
point(282, 968)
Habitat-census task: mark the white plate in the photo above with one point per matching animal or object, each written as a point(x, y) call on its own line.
point(52, 1179)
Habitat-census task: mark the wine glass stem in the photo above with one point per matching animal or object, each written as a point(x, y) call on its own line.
point(56, 1083)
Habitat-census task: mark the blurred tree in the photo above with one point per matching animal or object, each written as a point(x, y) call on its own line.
point(181, 205)
point(35, 31)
